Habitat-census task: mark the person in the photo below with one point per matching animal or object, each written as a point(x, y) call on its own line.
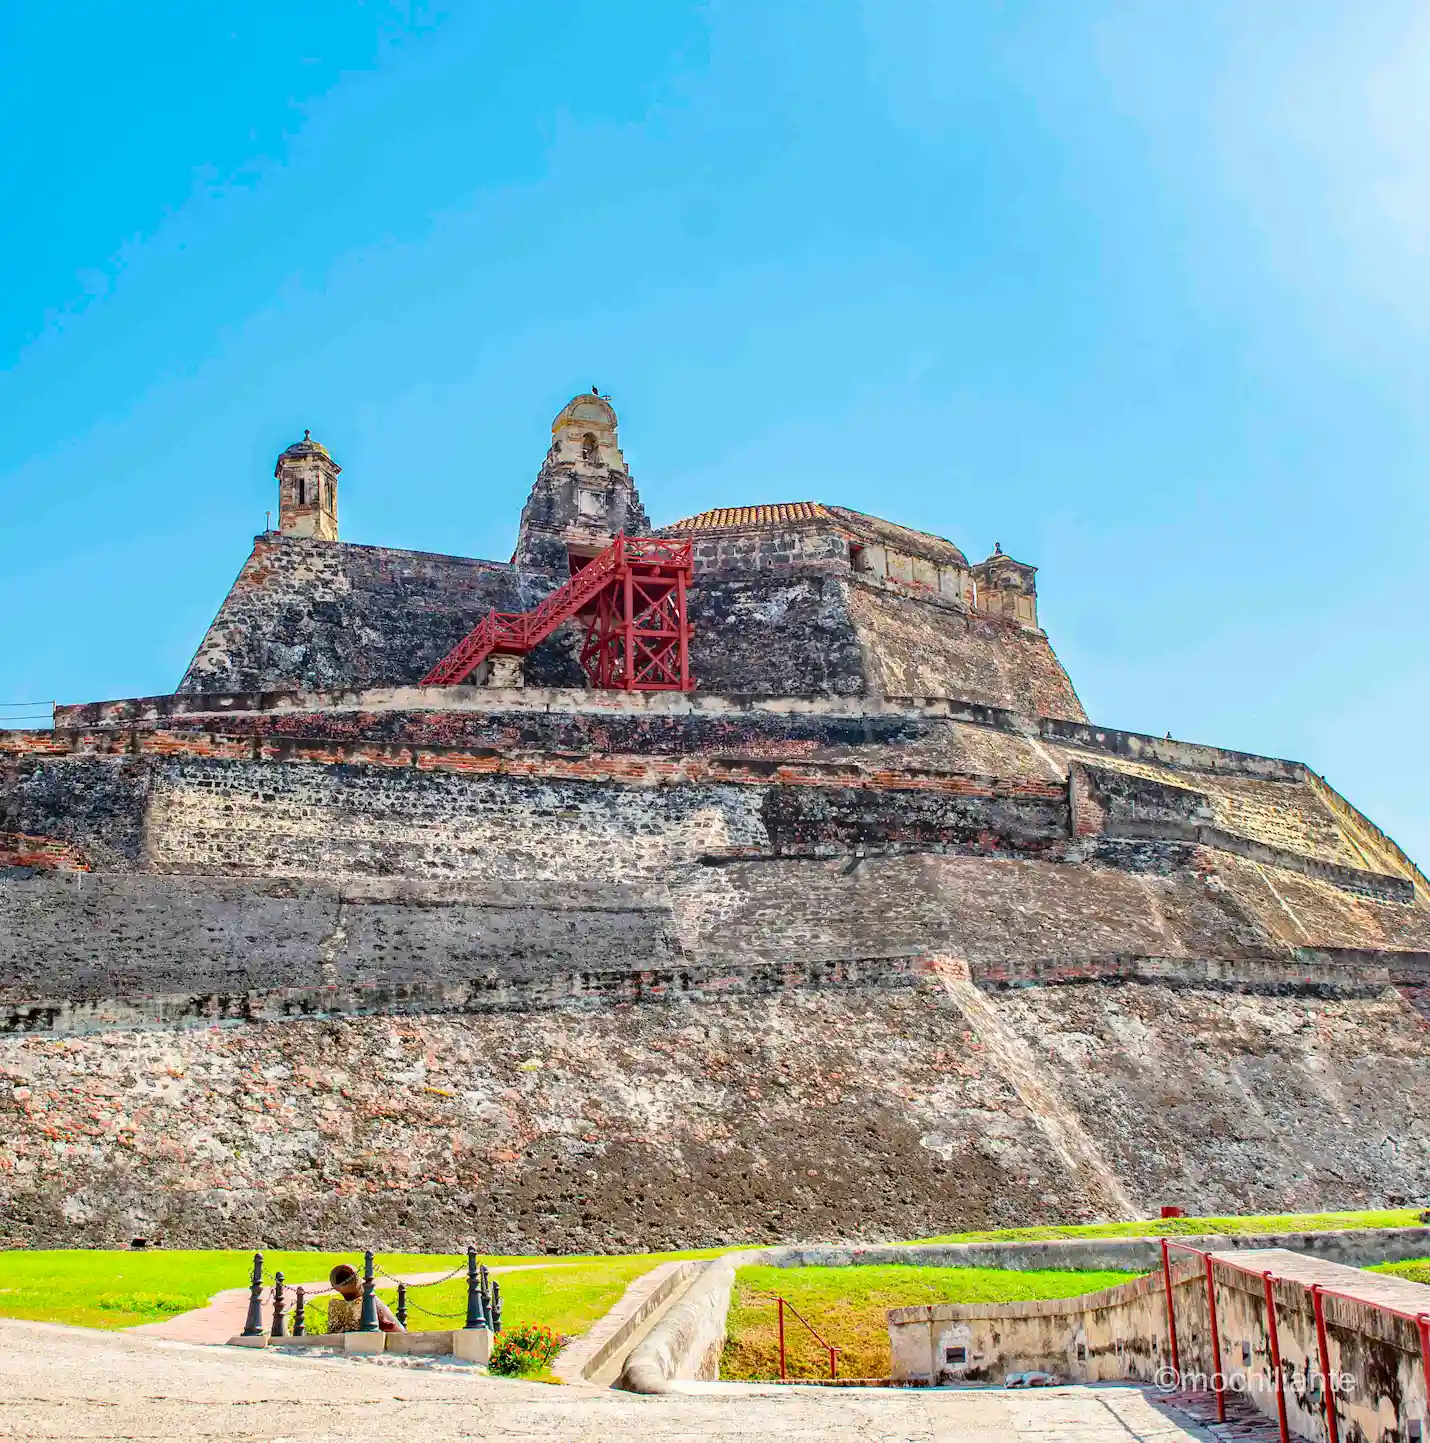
point(345, 1310)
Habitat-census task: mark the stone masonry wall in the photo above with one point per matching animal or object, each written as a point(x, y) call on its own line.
point(1172, 1085)
point(924, 649)
point(307, 614)
point(812, 547)
point(861, 1113)
point(235, 818)
point(98, 937)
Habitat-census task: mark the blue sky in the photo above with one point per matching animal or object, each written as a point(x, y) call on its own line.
point(1138, 290)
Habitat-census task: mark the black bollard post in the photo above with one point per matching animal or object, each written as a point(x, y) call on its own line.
point(253, 1324)
point(280, 1308)
point(486, 1287)
point(496, 1306)
point(300, 1320)
point(475, 1316)
point(402, 1304)
point(367, 1320)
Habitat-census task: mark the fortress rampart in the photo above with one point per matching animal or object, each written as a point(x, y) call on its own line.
point(873, 933)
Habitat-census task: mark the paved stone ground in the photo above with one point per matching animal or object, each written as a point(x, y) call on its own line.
point(75, 1383)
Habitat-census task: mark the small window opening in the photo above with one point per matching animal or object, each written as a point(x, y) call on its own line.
point(1246, 1355)
point(858, 559)
point(590, 452)
point(1082, 1352)
point(301, 499)
point(955, 1355)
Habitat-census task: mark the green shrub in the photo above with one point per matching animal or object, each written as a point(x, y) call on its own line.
point(527, 1349)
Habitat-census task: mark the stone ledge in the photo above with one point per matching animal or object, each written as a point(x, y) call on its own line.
point(1307, 973)
point(588, 1353)
point(475, 995)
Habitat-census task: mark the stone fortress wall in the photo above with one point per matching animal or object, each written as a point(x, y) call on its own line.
point(873, 935)
point(918, 949)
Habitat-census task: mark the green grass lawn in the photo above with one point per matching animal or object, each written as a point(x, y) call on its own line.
point(1417, 1270)
point(1172, 1227)
point(847, 1306)
point(120, 1289)
point(567, 1296)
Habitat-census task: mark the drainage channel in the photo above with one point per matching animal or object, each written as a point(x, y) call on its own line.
point(605, 1376)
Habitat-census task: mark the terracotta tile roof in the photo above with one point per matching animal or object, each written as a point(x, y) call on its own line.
point(723, 517)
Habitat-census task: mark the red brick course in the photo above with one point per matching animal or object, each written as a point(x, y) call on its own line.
point(19, 850)
point(632, 770)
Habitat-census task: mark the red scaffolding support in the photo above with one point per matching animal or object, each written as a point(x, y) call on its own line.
point(632, 598)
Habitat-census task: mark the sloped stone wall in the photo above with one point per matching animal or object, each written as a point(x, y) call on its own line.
point(870, 1113)
point(1265, 1103)
point(305, 614)
point(916, 648)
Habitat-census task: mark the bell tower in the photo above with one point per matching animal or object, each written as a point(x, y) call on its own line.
point(307, 491)
point(583, 494)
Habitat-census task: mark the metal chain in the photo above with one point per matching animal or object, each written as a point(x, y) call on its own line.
point(435, 1282)
point(310, 1293)
point(460, 1313)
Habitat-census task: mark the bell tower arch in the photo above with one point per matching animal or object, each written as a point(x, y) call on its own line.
point(584, 494)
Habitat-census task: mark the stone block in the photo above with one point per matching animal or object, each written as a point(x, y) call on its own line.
point(421, 1345)
point(472, 1345)
point(365, 1343)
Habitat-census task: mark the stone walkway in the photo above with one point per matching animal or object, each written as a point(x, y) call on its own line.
point(75, 1383)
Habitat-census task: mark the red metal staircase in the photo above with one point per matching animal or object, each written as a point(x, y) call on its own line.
point(632, 599)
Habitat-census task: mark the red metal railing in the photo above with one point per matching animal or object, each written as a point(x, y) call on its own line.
point(636, 588)
point(823, 1343)
point(1318, 1294)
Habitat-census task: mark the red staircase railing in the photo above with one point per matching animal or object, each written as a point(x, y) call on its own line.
point(823, 1343)
point(633, 597)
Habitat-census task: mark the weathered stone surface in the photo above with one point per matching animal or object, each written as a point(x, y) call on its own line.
point(307, 614)
point(808, 1114)
point(923, 649)
point(1215, 1096)
point(873, 934)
